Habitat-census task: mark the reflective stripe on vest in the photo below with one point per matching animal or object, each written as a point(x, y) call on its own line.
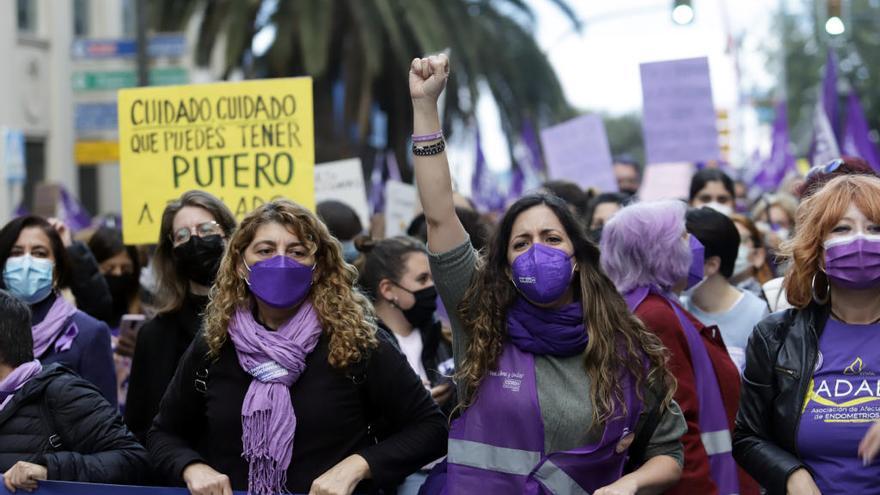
point(491, 458)
point(717, 442)
point(557, 481)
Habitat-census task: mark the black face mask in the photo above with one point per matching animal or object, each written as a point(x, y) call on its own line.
point(121, 289)
point(596, 235)
point(421, 315)
point(198, 259)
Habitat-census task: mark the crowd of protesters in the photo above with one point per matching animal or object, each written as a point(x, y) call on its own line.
point(579, 342)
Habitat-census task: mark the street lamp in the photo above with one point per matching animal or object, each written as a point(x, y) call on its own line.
point(682, 12)
point(834, 11)
point(834, 26)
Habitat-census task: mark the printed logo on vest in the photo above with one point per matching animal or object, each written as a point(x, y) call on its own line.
point(511, 380)
point(855, 368)
point(527, 280)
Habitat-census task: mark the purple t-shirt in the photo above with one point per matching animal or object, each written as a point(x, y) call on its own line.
point(841, 405)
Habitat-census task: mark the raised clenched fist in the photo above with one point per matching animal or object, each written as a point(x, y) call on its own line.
point(427, 77)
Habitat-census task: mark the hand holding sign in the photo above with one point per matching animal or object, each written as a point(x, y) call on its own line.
point(24, 475)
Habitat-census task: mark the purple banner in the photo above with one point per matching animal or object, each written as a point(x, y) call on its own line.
point(678, 115)
point(577, 151)
point(73, 488)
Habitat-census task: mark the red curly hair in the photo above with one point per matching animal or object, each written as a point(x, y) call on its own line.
point(816, 216)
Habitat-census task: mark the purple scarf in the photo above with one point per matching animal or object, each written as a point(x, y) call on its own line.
point(55, 328)
point(275, 360)
point(15, 380)
point(557, 332)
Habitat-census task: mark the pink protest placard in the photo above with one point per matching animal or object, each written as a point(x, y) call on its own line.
point(666, 181)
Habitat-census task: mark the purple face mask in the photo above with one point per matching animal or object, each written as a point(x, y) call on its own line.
point(280, 282)
point(542, 273)
point(853, 262)
point(698, 253)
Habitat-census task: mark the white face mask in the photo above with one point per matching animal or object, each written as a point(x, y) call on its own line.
point(742, 260)
point(720, 208)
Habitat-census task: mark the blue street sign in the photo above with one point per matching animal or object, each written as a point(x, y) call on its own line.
point(160, 45)
point(91, 117)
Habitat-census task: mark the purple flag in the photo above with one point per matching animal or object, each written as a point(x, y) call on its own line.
point(529, 168)
point(517, 182)
point(485, 187)
point(377, 184)
point(72, 212)
point(829, 93)
point(824, 147)
point(855, 135)
point(391, 164)
point(782, 160)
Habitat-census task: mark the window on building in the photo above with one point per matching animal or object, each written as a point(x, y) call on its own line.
point(129, 18)
point(81, 14)
point(27, 15)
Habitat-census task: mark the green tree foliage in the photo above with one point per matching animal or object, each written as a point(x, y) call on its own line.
point(625, 135)
point(367, 46)
point(801, 58)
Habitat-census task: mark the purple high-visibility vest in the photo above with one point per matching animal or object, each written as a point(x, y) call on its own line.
point(497, 445)
point(714, 429)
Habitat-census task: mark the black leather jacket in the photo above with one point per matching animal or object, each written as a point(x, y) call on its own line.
point(780, 360)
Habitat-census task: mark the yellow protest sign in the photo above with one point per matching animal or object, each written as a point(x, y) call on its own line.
point(245, 142)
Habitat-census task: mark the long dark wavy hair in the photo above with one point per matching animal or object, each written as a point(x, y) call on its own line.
point(618, 340)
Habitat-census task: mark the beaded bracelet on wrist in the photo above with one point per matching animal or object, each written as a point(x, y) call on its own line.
point(429, 150)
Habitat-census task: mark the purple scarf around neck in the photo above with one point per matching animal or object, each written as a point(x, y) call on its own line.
point(55, 328)
point(557, 332)
point(275, 360)
point(15, 380)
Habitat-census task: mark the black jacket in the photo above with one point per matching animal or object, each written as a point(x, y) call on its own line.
point(87, 284)
point(435, 350)
point(337, 413)
point(61, 421)
point(160, 343)
point(780, 360)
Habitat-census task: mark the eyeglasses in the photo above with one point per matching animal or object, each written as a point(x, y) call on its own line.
point(206, 229)
point(828, 168)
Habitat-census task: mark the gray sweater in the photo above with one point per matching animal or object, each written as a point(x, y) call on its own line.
point(563, 387)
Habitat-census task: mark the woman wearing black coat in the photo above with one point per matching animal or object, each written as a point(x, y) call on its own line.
point(53, 424)
point(191, 242)
point(290, 387)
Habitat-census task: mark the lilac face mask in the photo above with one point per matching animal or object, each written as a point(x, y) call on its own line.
point(698, 253)
point(280, 282)
point(853, 262)
point(542, 273)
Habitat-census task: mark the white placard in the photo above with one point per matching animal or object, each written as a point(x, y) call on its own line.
point(343, 181)
point(401, 206)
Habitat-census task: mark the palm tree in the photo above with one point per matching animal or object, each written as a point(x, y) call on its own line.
point(358, 51)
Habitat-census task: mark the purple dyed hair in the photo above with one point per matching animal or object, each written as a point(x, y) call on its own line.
point(642, 244)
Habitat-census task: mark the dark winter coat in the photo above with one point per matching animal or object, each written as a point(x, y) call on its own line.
point(62, 422)
point(90, 356)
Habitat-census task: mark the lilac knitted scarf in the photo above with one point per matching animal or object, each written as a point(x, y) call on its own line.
point(275, 360)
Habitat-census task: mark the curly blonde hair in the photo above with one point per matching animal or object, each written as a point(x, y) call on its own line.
point(345, 314)
point(618, 341)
